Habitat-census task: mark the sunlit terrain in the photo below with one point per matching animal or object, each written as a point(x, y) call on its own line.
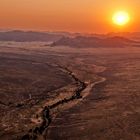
point(69, 92)
point(69, 69)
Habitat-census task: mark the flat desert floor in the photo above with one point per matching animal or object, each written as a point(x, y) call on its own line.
point(33, 76)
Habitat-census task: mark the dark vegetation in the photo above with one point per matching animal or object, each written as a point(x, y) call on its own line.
point(34, 133)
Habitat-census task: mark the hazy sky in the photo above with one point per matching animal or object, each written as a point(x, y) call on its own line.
point(67, 15)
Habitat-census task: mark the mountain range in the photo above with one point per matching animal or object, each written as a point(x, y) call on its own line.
point(73, 39)
point(83, 41)
point(28, 36)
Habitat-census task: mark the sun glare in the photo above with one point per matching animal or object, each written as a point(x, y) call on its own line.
point(121, 18)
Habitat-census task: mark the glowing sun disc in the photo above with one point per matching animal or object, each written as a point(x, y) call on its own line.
point(121, 18)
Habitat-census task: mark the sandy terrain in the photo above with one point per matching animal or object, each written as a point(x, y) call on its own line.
point(38, 76)
point(111, 111)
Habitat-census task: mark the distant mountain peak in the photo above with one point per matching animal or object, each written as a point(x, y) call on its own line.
point(84, 41)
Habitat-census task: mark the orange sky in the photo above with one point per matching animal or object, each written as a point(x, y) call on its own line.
point(67, 15)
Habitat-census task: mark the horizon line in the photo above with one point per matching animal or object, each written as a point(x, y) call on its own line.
point(60, 31)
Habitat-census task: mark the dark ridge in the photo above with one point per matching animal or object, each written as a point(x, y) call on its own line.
point(29, 36)
point(83, 42)
point(130, 35)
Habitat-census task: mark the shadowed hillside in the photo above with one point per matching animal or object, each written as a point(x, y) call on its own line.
point(81, 41)
point(21, 36)
point(130, 35)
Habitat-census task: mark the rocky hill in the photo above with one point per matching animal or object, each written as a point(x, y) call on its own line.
point(82, 41)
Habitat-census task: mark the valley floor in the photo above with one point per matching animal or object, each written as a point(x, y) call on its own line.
point(34, 76)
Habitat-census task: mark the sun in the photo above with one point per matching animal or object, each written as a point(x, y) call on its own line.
point(121, 18)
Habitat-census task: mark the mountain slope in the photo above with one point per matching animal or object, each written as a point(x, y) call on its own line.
point(22, 36)
point(82, 41)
